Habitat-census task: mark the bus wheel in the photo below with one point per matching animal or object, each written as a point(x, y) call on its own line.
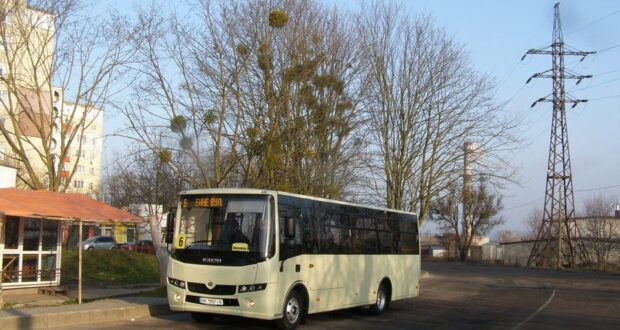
point(383, 300)
point(201, 317)
point(292, 313)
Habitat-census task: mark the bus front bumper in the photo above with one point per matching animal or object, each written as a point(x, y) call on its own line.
point(259, 304)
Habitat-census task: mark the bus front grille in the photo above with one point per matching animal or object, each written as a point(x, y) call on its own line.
point(220, 290)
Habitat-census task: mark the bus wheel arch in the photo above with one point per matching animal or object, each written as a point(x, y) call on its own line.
point(296, 298)
point(384, 297)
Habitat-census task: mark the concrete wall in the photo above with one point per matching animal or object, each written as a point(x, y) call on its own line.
point(508, 254)
point(517, 253)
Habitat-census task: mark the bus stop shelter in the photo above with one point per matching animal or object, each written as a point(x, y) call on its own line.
point(31, 235)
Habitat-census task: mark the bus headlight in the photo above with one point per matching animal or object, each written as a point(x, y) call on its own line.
point(177, 283)
point(251, 287)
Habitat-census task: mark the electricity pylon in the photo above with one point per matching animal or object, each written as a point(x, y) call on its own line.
point(556, 244)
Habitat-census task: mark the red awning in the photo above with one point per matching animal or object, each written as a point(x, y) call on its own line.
point(61, 206)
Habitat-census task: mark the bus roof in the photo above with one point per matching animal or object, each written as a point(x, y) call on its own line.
point(275, 193)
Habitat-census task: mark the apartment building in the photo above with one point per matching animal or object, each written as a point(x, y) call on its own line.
point(85, 154)
point(43, 132)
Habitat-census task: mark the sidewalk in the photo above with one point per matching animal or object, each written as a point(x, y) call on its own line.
point(125, 307)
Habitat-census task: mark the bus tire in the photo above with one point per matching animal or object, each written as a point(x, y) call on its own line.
point(201, 317)
point(292, 312)
point(383, 300)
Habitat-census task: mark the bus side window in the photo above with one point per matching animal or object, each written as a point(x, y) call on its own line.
point(290, 246)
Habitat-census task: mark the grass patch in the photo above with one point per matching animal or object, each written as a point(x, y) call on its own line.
point(110, 267)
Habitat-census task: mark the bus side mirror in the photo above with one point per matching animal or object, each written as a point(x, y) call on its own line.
point(170, 225)
point(290, 227)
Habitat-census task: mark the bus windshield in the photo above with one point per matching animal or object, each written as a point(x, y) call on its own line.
point(223, 229)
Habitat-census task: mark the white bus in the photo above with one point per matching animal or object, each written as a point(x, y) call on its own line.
point(279, 256)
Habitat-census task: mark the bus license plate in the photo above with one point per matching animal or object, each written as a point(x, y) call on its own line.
point(211, 301)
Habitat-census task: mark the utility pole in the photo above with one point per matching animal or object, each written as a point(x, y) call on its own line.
point(468, 150)
point(556, 243)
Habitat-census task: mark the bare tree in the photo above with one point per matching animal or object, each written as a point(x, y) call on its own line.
point(424, 101)
point(254, 93)
point(52, 52)
point(599, 230)
point(482, 207)
point(184, 101)
point(532, 223)
point(142, 179)
point(309, 68)
point(507, 236)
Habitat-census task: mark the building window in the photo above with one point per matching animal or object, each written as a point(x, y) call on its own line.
point(107, 231)
point(29, 267)
point(80, 169)
point(32, 234)
point(92, 170)
point(91, 186)
point(10, 268)
point(50, 235)
point(131, 234)
point(30, 251)
point(11, 233)
point(78, 184)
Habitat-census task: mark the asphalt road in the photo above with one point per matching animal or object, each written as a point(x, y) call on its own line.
point(462, 296)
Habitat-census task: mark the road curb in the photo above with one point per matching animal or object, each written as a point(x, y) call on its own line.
point(80, 315)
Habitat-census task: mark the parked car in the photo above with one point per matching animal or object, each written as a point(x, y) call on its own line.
point(144, 246)
point(99, 242)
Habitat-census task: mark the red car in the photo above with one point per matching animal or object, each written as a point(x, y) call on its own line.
point(143, 246)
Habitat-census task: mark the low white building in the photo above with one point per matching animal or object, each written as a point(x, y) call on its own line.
point(31, 234)
point(437, 251)
point(146, 212)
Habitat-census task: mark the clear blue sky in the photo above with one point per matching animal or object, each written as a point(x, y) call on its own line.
point(496, 34)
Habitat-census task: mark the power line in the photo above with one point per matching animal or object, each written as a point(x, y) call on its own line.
point(607, 49)
point(517, 62)
point(577, 190)
point(524, 204)
point(588, 25)
point(599, 188)
point(596, 85)
point(606, 72)
point(593, 22)
point(605, 97)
